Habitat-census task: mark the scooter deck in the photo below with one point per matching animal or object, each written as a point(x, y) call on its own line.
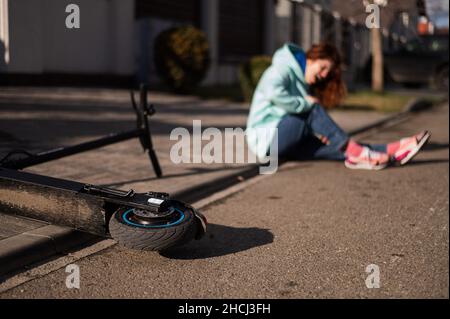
point(69, 203)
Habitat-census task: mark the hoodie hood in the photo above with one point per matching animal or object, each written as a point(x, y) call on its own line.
point(285, 58)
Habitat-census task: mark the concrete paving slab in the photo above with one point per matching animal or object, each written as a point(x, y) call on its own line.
point(37, 244)
point(13, 225)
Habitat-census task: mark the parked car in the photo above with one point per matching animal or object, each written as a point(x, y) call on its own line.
point(423, 60)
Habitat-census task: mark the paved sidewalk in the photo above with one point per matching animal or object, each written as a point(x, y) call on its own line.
point(308, 231)
point(38, 119)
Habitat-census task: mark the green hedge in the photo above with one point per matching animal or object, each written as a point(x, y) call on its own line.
point(250, 72)
point(182, 57)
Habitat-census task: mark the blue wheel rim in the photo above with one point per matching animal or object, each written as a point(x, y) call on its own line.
point(174, 223)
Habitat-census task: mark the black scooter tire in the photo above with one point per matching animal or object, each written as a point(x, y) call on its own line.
point(152, 239)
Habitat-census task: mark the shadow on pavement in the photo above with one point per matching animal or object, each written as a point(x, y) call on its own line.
point(435, 146)
point(193, 171)
point(424, 162)
point(221, 240)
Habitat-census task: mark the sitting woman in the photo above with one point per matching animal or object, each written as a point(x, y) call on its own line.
point(292, 96)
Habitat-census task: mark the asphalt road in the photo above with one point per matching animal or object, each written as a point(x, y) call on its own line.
point(308, 231)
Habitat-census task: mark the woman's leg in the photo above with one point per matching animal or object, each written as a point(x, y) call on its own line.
point(321, 125)
point(311, 135)
point(334, 139)
point(326, 139)
point(314, 135)
point(292, 129)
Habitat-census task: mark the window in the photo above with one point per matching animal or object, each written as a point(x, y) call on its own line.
point(186, 11)
point(241, 25)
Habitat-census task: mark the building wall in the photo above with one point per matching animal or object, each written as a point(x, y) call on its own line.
point(40, 42)
point(25, 36)
point(116, 39)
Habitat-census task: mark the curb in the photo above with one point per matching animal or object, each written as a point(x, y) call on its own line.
point(31, 247)
point(414, 106)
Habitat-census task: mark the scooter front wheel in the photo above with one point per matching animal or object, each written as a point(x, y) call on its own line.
point(143, 230)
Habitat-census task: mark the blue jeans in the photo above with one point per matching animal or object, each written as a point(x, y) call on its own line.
point(313, 135)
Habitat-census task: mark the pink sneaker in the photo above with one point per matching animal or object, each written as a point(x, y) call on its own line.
point(409, 147)
point(368, 159)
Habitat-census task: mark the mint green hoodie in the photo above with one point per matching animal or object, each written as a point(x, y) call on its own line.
point(281, 90)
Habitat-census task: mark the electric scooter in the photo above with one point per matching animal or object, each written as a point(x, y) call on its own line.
point(145, 221)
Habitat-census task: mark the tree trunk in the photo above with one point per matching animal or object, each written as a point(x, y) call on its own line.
point(377, 60)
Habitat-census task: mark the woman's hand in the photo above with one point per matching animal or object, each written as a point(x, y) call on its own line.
point(311, 99)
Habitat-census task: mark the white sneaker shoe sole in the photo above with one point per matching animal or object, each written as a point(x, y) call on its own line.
point(416, 149)
point(365, 166)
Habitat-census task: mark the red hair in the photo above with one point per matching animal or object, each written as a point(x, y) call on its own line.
point(332, 90)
